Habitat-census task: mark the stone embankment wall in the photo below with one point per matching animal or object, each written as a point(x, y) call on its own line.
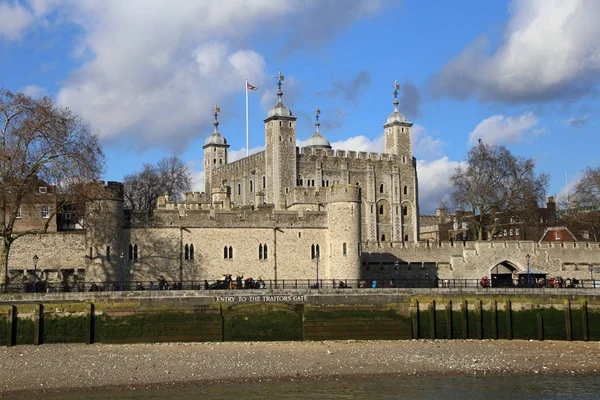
point(299, 315)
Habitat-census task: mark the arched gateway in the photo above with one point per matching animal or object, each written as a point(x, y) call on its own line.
point(504, 274)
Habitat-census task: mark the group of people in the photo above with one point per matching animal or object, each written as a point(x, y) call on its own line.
point(535, 281)
point(239, 283)
point(163, 284)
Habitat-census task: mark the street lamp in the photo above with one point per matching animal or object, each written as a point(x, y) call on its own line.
point(35, 261)
point(317, 257)
point(122, 271)
point(528, 271)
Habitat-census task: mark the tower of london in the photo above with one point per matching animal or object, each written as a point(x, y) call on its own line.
point(285, 213)
point(295, 179)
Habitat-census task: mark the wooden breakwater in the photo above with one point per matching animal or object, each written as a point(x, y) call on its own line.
point(129, 317)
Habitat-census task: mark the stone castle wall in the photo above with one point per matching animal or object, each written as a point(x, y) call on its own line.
point(472, 260)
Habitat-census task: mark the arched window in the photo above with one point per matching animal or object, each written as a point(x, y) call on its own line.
point(405, 189)
point(313, 182)
point(264, 182)
point(251, 187)
point(187, 252)
point(230, 252)
point(318, 251)
point(225, 252)
point(214, 160)
point(265, 254)
point(312, 251)
point(239, 189)
point(323, 182)
point(220, 161)
point(92, 252)
point(404, 210)
point(130, 252)
point(135, 252)
point(327, 183)
point(191, 251)
point(301, 182)
point(381, 188)
point(260, 252)
point(381, 209)
point(406, 238)
point(383, 237)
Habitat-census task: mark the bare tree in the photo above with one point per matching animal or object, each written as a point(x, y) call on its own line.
point(142, 189)
point(586, 213)
point(175, 177)
point(41, 142)
point(494, 186)
point(587, 190)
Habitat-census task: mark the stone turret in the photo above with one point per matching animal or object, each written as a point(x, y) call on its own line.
point(104, 222)
point(280, 151)
point(343, 223)
point(215, 154)
point(398, 139)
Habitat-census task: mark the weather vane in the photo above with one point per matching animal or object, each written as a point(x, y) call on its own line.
point(396, 88)
point(217, 110)
point(280, 79)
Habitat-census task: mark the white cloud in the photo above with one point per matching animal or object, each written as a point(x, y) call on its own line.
point(424, 145)
point(434, 182)
point(361, 143)
point(566, 193)
point(235, 155)
point(501, 129)
point(14, 20)
point(33, 90)
point(197, 176)
point(549, 50)
point(152, 70)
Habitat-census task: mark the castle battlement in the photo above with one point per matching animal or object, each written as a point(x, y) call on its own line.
point(238, 217)
point(344, 154)
point(523, 245)
point(324, 195)
point(242, 163)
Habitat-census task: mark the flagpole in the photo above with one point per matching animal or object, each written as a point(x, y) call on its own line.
point(246, 117)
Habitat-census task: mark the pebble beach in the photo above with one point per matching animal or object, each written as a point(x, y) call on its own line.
point(69, 367)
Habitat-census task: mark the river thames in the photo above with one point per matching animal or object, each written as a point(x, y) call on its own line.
point(429, 387)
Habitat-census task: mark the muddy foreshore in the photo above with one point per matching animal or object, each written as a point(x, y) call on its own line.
point(67, 367)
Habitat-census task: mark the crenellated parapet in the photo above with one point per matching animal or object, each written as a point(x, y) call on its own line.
point(324, 195)
point(343, 154)
point(242, 164)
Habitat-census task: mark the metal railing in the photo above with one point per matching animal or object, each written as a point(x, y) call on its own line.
point(304, 284)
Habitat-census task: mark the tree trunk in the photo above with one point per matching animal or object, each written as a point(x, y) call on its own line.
point(4, 255)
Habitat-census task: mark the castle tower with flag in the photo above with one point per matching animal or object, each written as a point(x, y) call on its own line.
point(291, 178)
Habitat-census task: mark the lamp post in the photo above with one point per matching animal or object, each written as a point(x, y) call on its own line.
point(396, 272)
point(317, 257)
point(122, 271)
point(35, 261)
point(528, 271)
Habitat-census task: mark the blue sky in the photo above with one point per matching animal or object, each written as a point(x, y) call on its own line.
point(146, 74)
